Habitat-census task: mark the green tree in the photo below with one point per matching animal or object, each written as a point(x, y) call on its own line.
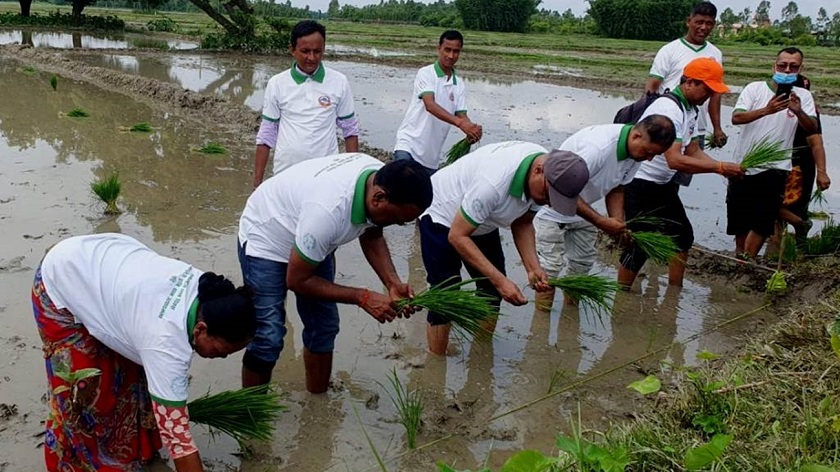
point(334, 8)
point(497, 15)
point(762, 13)
point(745, 17)
point(727, 19)
point(800, 26)
point(822, 22)
point(25, 7)
point(660, 20)
point(237, 18)
point(834, 29)
point(78, 7)
point(789, 12)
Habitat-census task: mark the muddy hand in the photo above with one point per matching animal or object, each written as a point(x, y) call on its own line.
point(538, 279)
point(720, 138)
point(399, 292)
point(379, 306)
point(511, 293)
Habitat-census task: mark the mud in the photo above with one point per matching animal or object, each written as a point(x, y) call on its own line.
point(186, 205)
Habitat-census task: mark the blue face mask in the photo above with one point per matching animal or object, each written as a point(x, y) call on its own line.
point(784, 79)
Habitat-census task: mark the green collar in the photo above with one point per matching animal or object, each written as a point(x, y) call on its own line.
point(192, 316)
point(299, 78)
point(770, 85)
point(440, 73)
point(517, 186)
point(621, 150)
point(358, 215)
point(679, 94)
point(692, 46)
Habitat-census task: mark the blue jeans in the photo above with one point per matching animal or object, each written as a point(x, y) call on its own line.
point(268, 280)
point(406, 156)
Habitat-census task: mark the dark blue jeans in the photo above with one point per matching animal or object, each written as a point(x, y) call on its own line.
point(443, 263)
point(268, 280)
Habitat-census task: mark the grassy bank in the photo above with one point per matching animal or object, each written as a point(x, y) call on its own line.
point(586, 61)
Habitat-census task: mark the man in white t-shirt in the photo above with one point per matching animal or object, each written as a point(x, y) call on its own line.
point(653, 193)
point(495, 186)
point(438, 102)
point(671, 59)
point(613, 154)
point(768, 110)
point(304, 106)
point(288, 233)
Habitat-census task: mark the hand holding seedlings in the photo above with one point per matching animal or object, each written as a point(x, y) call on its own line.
point(612, 226)
point(538, 279)
point(510, 292)
point(378, 306)
point(399, 292)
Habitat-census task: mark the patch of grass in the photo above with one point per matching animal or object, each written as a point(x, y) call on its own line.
point(78, 113)
point(29, 70)
point(108, 190)
point(457, 151)
point(142, 127)
point(409, 405)
point(764, 153)
point(658, 247)
point(248, 413)
point(827, 241)
point(54, 82)
point(150, 43)
point(597, 292)
point(211, 148)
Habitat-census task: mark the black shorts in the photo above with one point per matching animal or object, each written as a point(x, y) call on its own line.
point(646, 198)
point(753, 203)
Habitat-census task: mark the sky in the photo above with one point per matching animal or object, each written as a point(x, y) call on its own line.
point(806, 7)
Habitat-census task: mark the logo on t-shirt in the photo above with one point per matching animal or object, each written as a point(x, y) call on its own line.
point(309, 241)
point(451, 97)
point(478, 206)
point(790, 114)
point(324, 101)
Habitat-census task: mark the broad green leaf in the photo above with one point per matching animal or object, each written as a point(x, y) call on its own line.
point(528, 461)
point(701, 457)
point(817, 468)
point(83, 374)
point(648, 385)
point(593, 453)
point(61, 389)
point(705, 355)
point(835, 344)
point(567, 444)
point(63, 372)
point(616, 461)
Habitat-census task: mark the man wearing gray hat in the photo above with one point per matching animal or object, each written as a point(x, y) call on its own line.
point(496, 186)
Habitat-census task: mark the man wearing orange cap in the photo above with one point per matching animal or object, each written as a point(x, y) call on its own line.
point(652, 192)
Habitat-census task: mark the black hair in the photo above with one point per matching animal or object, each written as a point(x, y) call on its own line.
point(406, 182)
point(659, 129)
point(227, 311)
point(791, 50)
point(704, 9)
point(451, 35)
point(305, 28)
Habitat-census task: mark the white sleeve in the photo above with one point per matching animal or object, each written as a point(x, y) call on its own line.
point(745, 102)
point(461, 106)
point(271, 102)
point(166, 375)
point(661, 64)
point(346, 108)
point(667, 107)
point(422, 84)
point(316, 233)
point(808, 105)
point(480, 201)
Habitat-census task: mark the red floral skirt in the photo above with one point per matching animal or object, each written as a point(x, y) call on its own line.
point(100, 414)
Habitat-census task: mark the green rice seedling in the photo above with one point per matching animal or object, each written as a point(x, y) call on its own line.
point(597, 292)
point(409, 405)
point(29, 70)
point(248, 413)
point(466, 310)
point(818, 198)
point(710, 141)
point(776, 284)
point(54, 82)
point(827, 241)
point(78, 113)
point(142, 127)
point(658, 247)
point(212, 148)
point(818, 215)
point(108, 190)
point(457, 151)
point(376, 454)
point(765, 153)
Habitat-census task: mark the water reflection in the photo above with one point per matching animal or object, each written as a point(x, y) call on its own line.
point(76, 40)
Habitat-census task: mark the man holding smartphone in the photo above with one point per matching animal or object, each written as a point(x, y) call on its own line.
point(773, 110)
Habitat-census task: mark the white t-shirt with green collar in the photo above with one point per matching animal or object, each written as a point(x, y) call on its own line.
point(313, 207)
point(306, 109)
point(420, 133)
point(780, 126)
point(604, 150)
point(487, 186)
point(684, 117)
point(668, 67)
point(138, 303)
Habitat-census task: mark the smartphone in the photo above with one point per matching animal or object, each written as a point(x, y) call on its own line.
point(784, 89)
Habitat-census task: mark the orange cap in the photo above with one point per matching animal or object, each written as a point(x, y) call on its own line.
point(708, 71)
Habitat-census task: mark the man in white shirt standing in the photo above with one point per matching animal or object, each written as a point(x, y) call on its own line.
point(439, 100)
point(671, 59)
point(613, 154)
point(653, 192)
point(766, 109)
point(304, 106)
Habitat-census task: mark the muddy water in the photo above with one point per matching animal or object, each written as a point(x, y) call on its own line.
point(507, 110)
point(78, 40)
point(186, 205)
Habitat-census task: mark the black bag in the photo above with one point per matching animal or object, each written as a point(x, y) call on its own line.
point(634, 111)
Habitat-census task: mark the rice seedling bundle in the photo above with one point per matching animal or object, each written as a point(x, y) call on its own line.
point(466, 310)
point(658, 247)
point(78, 113)
point(776, 284)
point(142, 127)
point(409, 405)
point(819, 198)
point(710, 141)
point(54, 82)
point(765, 153)
point(457, 151)
point(212, 148)
point(826, 242)
point(597, 292)
point(108, 190)
point(248, 413)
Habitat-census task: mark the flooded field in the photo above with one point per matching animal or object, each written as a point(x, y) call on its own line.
point(186, 205)
point(78, 40)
